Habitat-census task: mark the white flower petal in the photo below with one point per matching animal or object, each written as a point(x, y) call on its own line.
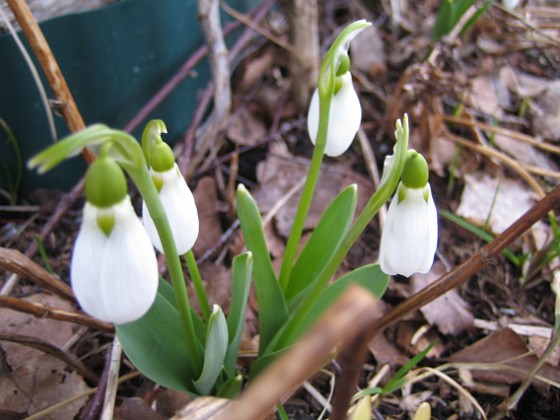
point(115, 277)
point(180, 208)
point(345, 116)
point(409, 238)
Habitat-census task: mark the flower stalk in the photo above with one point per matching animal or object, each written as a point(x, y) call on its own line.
point(335, 61)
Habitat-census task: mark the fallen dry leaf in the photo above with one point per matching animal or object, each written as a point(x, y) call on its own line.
point(245, 128)
point(42, 382)
point(488, 95)
point(500, 201)
point(409, 339)
point(280, 172)
point(38, 380)
point(546, 112)
point(135, 408)
point(524, 152)
point(507, 356)
point(208, 206)
point(522, 84)
point(450, 313)
point(368, 53)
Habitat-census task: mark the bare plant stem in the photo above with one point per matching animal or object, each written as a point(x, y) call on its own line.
point(34, 35)
point(347, 383)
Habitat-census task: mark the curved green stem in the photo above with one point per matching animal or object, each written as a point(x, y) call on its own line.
point(370, 210)
point(198, 285)
point(307, 192)
point(138, 171)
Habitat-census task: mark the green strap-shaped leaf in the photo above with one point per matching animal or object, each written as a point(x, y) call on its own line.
point(154, 344)
point(214, 351)
point(231, 388)
point(242, 271)
point(167, 292)
point(273, 310)
point(369, 276)
point(322, 245)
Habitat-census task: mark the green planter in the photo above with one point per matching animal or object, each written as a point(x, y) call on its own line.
point(114, 60)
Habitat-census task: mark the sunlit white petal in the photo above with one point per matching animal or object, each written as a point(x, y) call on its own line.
point(180, 208)
point(409, 238)
point(115, 277)
point(345, 116)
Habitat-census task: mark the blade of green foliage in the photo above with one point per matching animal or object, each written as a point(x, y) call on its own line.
point(242, 271)
point(166, 291)
point(398, 380)
point(322, 245)
point(481, 233)
point(477, 15)
point(448, 15)
point(273, 310)
point(231, 388)
point(263, 361)
point(367, 392)
point(154, 344)
point(214, 351)
point(368, 276)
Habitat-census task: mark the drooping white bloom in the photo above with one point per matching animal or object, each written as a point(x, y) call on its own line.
point(180, 208)
point(409, 238)
point(114, 275)
point(345, 116)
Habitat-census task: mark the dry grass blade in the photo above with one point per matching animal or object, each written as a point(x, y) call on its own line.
point(14, 261)
point(44, 311)
point(342, 323)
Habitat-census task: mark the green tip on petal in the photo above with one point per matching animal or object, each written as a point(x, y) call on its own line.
point(343, 65)
point(105, 183)
point(158, 180)
point(415, 173)
point(162, 158)
point(106, 222)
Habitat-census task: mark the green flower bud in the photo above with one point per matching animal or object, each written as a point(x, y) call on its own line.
point(162, 158)
point(415, 173)
point(105, 183)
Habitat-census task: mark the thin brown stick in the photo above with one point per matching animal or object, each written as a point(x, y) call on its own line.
point(14, 261)
point(44, 311)
point(54, 351)
point(453, 279)
point(339, 326)
point(504, 131)
point(34, 35)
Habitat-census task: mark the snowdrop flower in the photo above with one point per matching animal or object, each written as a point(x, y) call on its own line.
point(409, 238)
point(176, 198)
point(114, 268)
point(345, 116)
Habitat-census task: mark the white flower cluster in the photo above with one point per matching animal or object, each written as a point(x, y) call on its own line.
point(114, 269)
